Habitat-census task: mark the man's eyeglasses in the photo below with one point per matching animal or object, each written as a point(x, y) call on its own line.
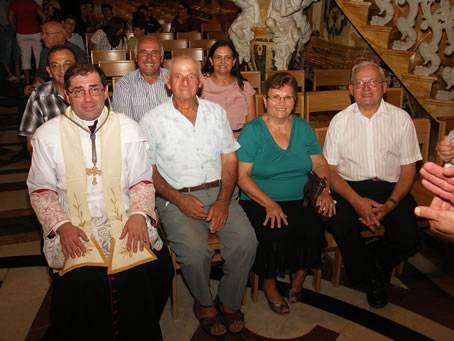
point(55, 66)
point(78, 93)
point(373, 83)
point(277, 99)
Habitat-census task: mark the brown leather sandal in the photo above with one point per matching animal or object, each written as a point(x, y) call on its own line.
point(231, 318)
point(207, 323)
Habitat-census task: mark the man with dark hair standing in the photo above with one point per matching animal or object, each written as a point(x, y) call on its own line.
point(90, 186)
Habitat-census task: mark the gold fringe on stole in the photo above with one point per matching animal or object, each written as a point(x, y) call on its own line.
point(120, 258)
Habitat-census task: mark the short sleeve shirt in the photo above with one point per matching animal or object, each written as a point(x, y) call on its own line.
point(231, 98)
point(281, 174)
point(188, 155)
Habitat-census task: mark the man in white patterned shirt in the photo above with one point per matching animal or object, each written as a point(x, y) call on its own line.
point(48, 100)
point(144, 89)
point(192, 150)
point(372, 150)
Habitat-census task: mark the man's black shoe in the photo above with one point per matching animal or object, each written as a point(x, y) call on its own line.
point(376, 295)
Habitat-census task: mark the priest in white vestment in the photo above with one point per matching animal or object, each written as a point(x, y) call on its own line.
point(91, 187)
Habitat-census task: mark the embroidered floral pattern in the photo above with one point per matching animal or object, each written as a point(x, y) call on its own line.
point(116, 207)
point(48, 210)
point(80, 214)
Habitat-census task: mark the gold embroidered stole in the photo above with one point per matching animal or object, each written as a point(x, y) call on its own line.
point(120, 258)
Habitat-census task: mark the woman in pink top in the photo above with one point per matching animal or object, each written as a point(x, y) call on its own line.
point(224, 85)
point(22, 17)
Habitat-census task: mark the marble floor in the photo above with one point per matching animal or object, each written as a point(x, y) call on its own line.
point(421, 298)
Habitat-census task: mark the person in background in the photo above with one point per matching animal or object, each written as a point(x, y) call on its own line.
point(69, 24)
point(111, 37)
point(224, 85)
point(9, 51)
point(185, 21)
point(52, 9)
point(152, 24)
point(144, 89)
point(52, 34)
point(87, 20)
point(48, 100)
point(22, 16)
point(139, 28)
point(277, 151)
point(107, 15)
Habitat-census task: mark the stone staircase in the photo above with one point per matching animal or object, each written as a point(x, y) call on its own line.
point(401, 62)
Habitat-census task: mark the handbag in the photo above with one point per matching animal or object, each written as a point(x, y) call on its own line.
point(312, 189)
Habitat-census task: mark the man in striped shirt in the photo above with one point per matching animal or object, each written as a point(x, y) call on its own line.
point(372, 149)
point(47, 101)
point(142, 90)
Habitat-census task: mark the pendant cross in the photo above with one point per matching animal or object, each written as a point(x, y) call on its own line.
point(94, 171)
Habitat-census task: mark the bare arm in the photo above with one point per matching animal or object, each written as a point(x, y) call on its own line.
point(188, 204)
point(251, 109)
point(274, 213)
point(219, 211)
point(29, 145)
point(324, 200)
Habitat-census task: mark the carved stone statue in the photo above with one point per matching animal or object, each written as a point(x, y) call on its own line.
point(289, 26)
point(240, 32)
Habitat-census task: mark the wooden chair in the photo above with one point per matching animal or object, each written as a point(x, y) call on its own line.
point(203, 43)
point(217, 35)
point(115, 79)
point(331, 101)
point(196, 53)
point(213, 243)
point(331, 77)
point(117, 68)
point(174, 44)
point(162, 36)
point(165, 27)
point(107, 55)
point(298, 74)
point(189, 35)
point(394, 96)
point(254, 78)
point(211, 27)
point(87, 40)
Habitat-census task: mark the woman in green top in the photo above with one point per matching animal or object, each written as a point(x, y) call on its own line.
point(277, 151)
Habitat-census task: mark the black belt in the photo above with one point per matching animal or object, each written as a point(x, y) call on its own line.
point(207, 185)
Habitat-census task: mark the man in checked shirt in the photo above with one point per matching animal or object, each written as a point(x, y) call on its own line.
point(47, 101)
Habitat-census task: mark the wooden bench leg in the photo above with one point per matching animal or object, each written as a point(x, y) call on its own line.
point(316, 278)
point(254, 286)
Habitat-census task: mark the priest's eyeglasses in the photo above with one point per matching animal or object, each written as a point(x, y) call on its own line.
point(277, 99)
point(79, 93)
point(373, 83)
